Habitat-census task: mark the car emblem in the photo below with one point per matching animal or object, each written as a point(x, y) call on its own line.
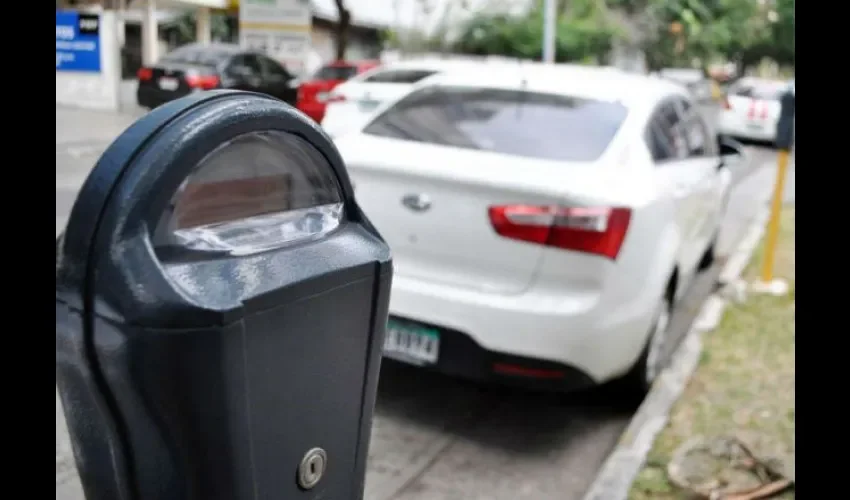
point(417, 202)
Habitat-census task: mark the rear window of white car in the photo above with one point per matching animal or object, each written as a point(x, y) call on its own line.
point(763, 91)
point(514, 122)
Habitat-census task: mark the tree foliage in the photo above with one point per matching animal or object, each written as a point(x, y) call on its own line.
point(671, 32)
point(583, 33)
point(743, 31)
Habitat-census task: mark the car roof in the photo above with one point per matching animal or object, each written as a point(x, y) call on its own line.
point(230, 48)
point(425, 64)
point(682, 74)
point(600, 83)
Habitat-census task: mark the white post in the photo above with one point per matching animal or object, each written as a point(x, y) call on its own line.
point(150, 34)
point(203, 26)
point(122, 8)
point(550, 19)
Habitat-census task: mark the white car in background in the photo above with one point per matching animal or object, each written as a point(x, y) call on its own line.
point(752, 108)
point(543, 220)
point(353, 102)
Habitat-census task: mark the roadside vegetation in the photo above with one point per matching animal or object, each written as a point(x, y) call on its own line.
point(743, 388)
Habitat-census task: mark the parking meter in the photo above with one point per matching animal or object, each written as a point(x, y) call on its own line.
point(785, 124)
point(221, 302)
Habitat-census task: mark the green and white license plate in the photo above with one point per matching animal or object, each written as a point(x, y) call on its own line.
point(411, 343)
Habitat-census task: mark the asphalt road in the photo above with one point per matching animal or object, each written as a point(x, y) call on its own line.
point(434, 437)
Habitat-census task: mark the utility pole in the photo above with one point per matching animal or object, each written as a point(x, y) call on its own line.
point(550, 18)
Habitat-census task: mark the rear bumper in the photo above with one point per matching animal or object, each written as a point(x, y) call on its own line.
point(567, 340)
point(734, 125)
point(461, 356)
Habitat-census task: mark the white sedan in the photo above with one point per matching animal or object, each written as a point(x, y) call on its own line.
point(543, 220)
point(752, 108)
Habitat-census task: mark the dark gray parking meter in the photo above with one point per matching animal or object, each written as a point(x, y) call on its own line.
point(785, 124)
point(220, 310)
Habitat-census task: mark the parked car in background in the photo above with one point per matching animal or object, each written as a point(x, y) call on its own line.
point(751, 108)
point(352, 103)
point(544, 220)
point(314, 92)
point(196, 67)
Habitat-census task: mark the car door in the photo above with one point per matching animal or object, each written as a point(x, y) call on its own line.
point(277, 80)
point(709, 180)
point(244, 73)
point(676, 175)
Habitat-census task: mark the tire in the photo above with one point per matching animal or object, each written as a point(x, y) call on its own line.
point(635, 384)
point(709, 256)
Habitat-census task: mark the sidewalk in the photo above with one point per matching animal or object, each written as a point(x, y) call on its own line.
point(743, 389)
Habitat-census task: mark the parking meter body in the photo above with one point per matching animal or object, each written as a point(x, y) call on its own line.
point(785, 124)
point(220, 309)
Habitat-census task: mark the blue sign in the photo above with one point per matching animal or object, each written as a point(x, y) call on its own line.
point(77, 41)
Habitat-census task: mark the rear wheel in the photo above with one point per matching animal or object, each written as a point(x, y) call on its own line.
point(710, 255)
point(637, 382)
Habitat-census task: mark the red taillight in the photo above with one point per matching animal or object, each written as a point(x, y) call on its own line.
point(203, 82)
point(144, 74)
point(594, 230)
point(757, 109)
point(523, 371)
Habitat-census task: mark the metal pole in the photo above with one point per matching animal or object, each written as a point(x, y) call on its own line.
point(775, 216)
point(550, 19)
point(784, 142)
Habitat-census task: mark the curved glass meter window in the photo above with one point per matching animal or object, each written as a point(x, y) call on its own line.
point(257, 192)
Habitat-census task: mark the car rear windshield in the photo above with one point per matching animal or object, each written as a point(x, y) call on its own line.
point(514, 122)
point(335, 73)
point(196, 56)
point(764, 91)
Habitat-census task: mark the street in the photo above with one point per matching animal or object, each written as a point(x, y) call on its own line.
point(438, 438)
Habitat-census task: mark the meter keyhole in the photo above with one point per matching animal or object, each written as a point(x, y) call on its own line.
point(312, 468)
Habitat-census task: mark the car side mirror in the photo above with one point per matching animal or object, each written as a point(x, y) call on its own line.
point(731, 151)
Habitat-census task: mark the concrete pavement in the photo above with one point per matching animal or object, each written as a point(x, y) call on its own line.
point(434, 437)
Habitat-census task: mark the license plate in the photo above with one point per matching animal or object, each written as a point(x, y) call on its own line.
point(168, 83)
point(368, 105)
point(755, 126)
point(410, 343)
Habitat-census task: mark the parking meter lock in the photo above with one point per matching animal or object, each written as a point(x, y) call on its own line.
point(221, 302)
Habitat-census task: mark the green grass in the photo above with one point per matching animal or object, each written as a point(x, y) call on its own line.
point(744, 385)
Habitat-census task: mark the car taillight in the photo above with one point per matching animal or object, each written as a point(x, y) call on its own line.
point(203, 82)
point(595, 230)
point(144, 74)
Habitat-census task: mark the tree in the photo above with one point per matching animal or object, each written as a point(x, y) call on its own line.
point(342, 26)
point(742, 31)
point(583, 33)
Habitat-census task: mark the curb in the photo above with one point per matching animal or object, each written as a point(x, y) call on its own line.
point(618, 472)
